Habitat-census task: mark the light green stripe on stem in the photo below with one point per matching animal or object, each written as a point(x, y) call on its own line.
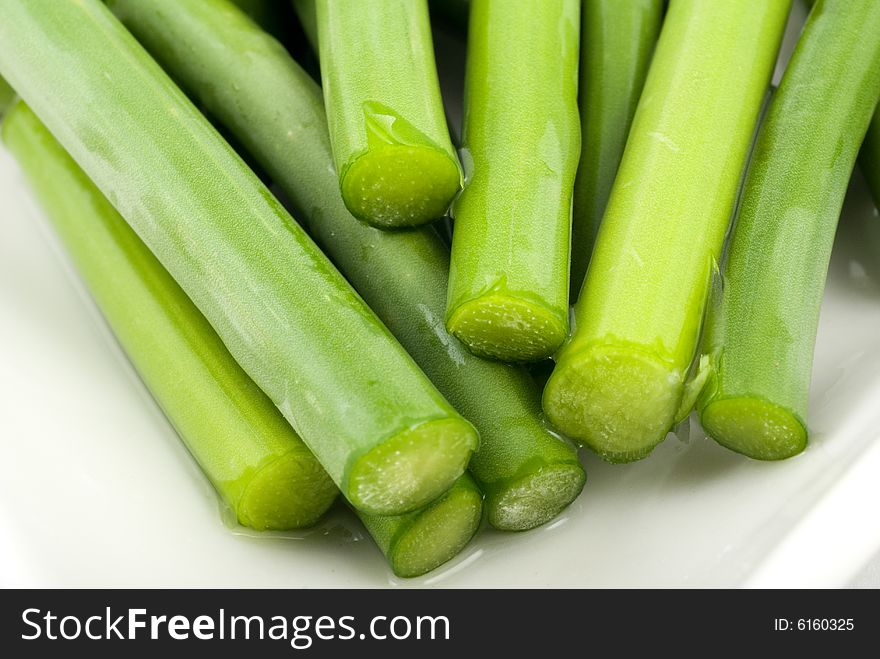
point(390, 141)
point(257, 464)
point(385, 435)
point(275, 109)
point(619, 381)
point(508, 283)
point(762, 334)
point(617, 41)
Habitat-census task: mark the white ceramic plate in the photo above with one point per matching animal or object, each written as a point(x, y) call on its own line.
point(96, 489)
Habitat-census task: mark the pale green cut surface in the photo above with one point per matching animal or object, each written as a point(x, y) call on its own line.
point(618, 401)
point(755, 427)
point(438, 534)
point(400, 185)
point(288, 493)
point(536, 498)
point(412, 468)
point(508, 328)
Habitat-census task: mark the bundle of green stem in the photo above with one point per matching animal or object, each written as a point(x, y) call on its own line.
point(527, 473)
point(251, 455)
point(619, 381)
point(259, 466)
point(283, 383)
point(381, 430)
point(762, 333)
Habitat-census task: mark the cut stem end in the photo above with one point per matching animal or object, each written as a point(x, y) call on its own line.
point(619, 402)
point(535, 499)
point(411, 469)
point(754, 427)
point(291, 492)
point(398, 185)
point(508, 328)
point(439, 533)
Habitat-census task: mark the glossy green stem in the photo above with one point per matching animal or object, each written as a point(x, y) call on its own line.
point(762, 334)
point(256, 462)
point(390, 141)
point(508, 283)
point(421, 541)
point(617, 41)
point(620, 379)
point(386, 436)
point(528, 474)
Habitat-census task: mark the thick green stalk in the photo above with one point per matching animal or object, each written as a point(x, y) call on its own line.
point(257, 464)
point(385, 435)
point(275, 109)
point(619, 381)
point(418, 542)
point(870, 157)
point(508, 283)
point(617, 41)
point(761, 335)
point(391, 145)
